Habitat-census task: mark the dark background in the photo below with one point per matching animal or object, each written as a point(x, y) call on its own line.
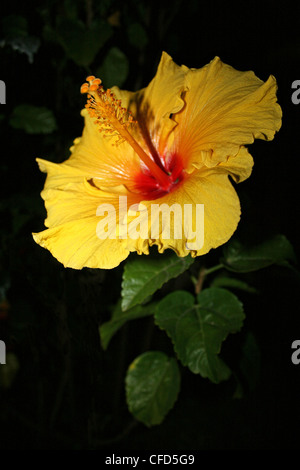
point(67, 393)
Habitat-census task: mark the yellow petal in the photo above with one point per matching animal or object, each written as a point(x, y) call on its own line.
point(238, 166)
point(76, 245)
point(95, 156)
point(69, 196)
point(153, 105)
point(211, 188)
point(72, 214)
point(225, 109)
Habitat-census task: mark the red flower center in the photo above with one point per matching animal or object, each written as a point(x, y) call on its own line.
point(147, 184)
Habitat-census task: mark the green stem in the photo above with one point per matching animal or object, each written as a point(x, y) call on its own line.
point(213, 269)
point(202, 275)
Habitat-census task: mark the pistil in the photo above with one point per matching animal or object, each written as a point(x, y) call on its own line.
point(114, 120)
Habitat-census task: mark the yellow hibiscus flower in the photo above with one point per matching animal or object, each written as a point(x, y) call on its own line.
point(173, 144)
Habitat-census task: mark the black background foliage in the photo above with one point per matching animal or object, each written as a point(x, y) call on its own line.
point(68, 393)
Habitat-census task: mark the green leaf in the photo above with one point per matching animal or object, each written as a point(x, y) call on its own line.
point(114, 68)
point(232, 283)
point(152, 386)
point(198, 330)
point(137, 35)
point(14, 26)
point(143, 276)
point(239, 258)
point(119, 318)
point(33, 119)
point(81, 44)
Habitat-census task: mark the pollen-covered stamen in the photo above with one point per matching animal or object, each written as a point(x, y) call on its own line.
point(103, 105)
point(114, 120)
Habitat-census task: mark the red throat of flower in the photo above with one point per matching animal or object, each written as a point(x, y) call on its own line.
point(115, 121)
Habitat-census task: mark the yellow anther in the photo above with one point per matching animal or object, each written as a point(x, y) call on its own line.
point(93, 87)
point(93, 84)
point(84, 88)
point(97, 81)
